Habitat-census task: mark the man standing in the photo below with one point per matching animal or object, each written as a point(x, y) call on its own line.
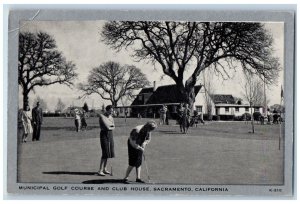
point(37, 120)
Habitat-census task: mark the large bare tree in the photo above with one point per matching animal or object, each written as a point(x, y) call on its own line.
point(113, 81)
point(41, 64)
point(195, 46)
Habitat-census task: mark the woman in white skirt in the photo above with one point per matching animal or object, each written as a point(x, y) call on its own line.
point(26, 119)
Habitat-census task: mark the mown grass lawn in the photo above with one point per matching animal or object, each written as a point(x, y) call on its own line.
point(214, 153)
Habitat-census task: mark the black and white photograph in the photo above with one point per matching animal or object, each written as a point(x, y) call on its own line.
point(154, 106)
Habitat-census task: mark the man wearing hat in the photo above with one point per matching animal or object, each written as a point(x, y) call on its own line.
point(37, 120)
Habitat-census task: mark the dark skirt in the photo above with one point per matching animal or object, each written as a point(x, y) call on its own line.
point(135, 156)
point(83, 122)
point(107, 144)
point(185, 121)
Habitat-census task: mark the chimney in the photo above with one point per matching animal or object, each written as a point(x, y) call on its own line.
point(154, 86)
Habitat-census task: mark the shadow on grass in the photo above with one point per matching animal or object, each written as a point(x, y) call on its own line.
point(73, 129)
point(71, 173)
point(169, 132)
point(102, 181)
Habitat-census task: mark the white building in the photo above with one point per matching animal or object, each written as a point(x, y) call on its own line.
point(222, 104)
point(148, 102)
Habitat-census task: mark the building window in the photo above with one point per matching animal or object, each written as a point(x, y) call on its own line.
point(247, 109)
point(199, 109)
point(174, 109)
point(256, 109)
point(237, 109)
point(217, 111)
point(226, 109)
point(140, 97)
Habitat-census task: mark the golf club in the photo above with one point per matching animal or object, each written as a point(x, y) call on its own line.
point(149, 180)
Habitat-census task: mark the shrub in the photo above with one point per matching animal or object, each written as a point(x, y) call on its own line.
point(247, 115)
point(256, 116)
point(54, 114)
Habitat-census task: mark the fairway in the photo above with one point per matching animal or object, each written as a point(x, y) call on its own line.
point(214, 153)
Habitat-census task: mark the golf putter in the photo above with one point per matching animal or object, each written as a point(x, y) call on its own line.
point(149, 179)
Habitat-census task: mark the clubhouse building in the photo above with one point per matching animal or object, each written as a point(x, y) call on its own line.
point(149, 101)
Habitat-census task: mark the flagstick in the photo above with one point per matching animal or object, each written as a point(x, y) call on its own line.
point(281, 95)
point(279, 138)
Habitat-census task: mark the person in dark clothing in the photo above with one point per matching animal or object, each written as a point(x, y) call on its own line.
point(107, 125)
point(139, 137)
point(195, 119)
point(83, 121)
point(37, 120)
point(168, 116)
point(186, 118)
point(180, 116)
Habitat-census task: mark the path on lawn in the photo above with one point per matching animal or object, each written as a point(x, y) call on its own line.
point(217, 153)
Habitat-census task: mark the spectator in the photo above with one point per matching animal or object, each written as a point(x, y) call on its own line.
point(107, 125)
point(37, 120)
point(83, 121)
point(186, 118)
point(77, 119)
point(26, 120)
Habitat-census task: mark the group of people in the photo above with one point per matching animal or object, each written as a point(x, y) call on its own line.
point(273, 117)
point(184, 114)
point(80, 120)
point(186, 119)
point(30, 122)
point(139, 137)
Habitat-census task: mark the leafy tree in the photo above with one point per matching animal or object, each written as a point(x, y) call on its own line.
point(85, 107)
point(113, 81)
point(179, 47)
point(60, 106)
point(238, 100)
point(43, 103)
point(277, 107)
point(41, 64)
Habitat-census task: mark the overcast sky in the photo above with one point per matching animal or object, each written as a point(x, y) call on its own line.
point(79, 41)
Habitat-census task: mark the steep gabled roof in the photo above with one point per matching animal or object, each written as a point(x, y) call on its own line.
point(162, 95)
point(222, 98)
point(144, 92)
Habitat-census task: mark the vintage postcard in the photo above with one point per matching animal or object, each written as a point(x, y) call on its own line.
point(151, 103)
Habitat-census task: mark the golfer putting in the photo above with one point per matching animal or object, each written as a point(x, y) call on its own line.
point(139, 137)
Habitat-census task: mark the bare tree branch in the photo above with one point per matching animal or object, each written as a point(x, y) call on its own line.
point(40, 64)
point(175, 45)
point(113, 82)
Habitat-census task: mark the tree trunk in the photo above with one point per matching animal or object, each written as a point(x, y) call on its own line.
point(191, 99)
point(25, 98)
point(114, 103)
point(252, 121)
point(187, 95)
